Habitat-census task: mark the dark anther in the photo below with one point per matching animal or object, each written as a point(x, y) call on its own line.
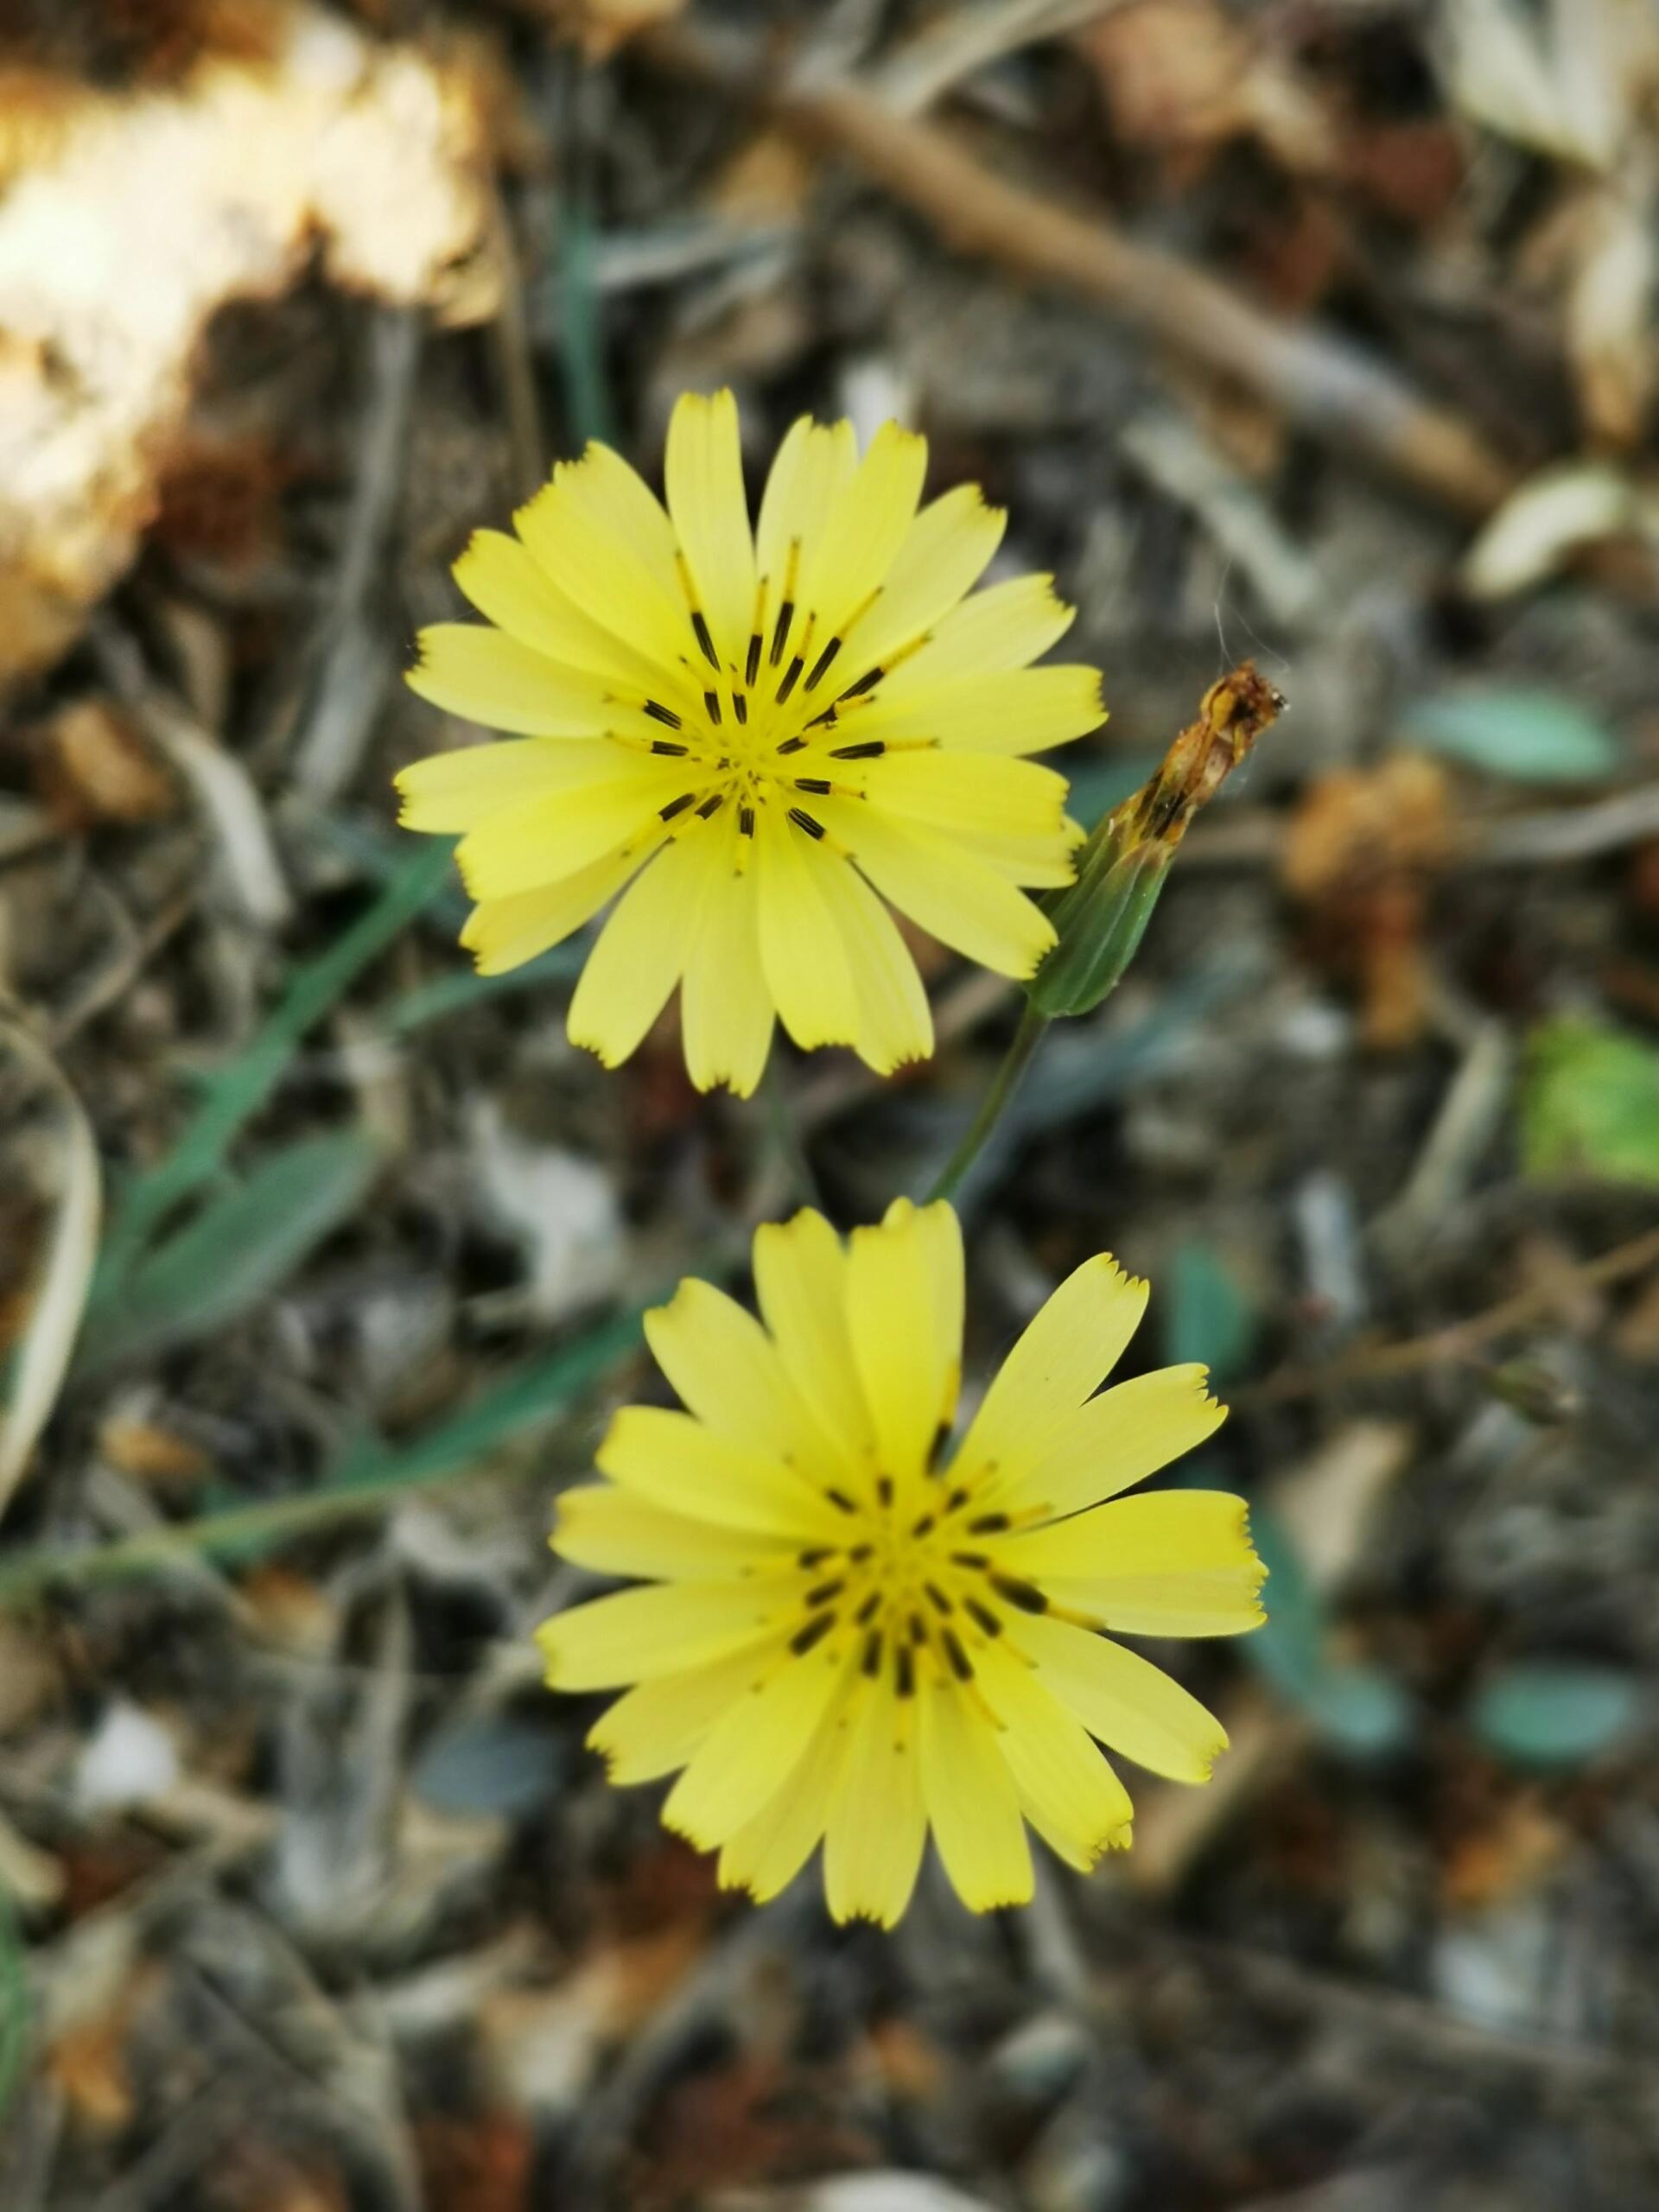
point(816, 1555)
point(918, 1629)
point(820, 667)
point(793, 744)
point(883, 1489)
point(988, 1524)
point(815, 1631)
point(923, 1527)
point(792, 678)
point(704, 640)
point(712, 805)
point(664, 714)
point(786, 616)
point(871, 750)
point(752, 666)
point(938, 1598)
point(982, 1617)
point(803, 820)
point(935, 1450)
point(677, 805)
point(868, 1609)
point(860, 1553)
point(971, 1559)
point(904, 1666)
point(961, 1665)
point(840, 1500)
point(872, 1648)
point(741, 705)
point(823, 1593)
point(813, 784)
point(662, 745)
point(711, 707)
point(1025, 1595)
point(957, 1497)
point(870, 676)
point(746, 820)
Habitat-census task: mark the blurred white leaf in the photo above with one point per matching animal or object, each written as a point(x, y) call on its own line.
point(1548, 519)
point(129, 1758)
point(1566, 91)
point(559, 1207)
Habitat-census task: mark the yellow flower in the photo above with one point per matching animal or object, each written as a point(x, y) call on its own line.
point(855, 1636)
point(763, 735)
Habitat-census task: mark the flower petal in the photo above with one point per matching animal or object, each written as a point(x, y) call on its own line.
point(639, 954)
point(975, 792)
point(725, 1006)
point(449, 793)
point(471, 669)
point(867, 524)
point(802, 951)
point(705, 474)
point(1075, 1338)
point(734, 1770)
point(895, 1024)
point(1007, 627)
point(639, 1635)
point(534, 843)
point(945, 551)
point(877, 1824)
point(766, 1854)
point(1176, 1562)
point(502, 933)
point(955, 897)
point(1123, 1699)
point(1067, 1791)
point(727, 1370)
point(613, 1531)
point(813, 462)
point(510, 588)
point(1017, 711)
point(592, 530)
point(676, 1461)
point(903, 1302)
point(1114, 1442)
point(655, 1728)
point(801, 1278)
point(971, 1802)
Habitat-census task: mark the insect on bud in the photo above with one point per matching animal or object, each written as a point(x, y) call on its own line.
point(1101, 918)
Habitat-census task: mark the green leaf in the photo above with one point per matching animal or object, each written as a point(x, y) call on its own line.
point(1528, 736)
point(1590, 1103)
point(234, 1254)
point(1544, 1713)
point(1208, 1318)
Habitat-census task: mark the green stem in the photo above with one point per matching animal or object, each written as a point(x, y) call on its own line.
point(1030, 1033)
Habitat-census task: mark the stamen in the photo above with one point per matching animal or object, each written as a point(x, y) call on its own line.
point(712, 805)
point(803, 820)
point(814, 1633)
point(971, 1559)
point(923, 1527)
point(780, 634)
point(961, 1665)
point(872, 750)
point(918, 1629)
point(988, 1525)
point(1025, 1595)
point(662, 713)
point(824, 1593)
point(711, 707)
point(793, 744)
point(752, 665)
point(662, 745)
point(868, 1609)
point(883, 1489)
point(821, 666)
point(860, 1553)
point(745, 821)
point(873, 1649)
point(816, 1555)
point(866, 681)
point(904, 1668)
point(981, 1617)
point(677, 805)
point(840, 1500)
point(812, 784)
point(741, 706)
point(938, 1598)
point(791, 676)
point(704, 638)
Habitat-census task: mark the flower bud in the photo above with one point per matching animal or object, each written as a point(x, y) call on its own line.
point(1099, 919)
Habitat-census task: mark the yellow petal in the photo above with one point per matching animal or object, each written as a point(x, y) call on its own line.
point(800, 1275)
point(657, 1726)
point(725, 1006)
point(528, 845)
point(765, 1855)
point(502, 933)
point(862, 535)
point(675, 1460)
point(704, 473)
point(1045, 862)
point(1123, 1699)
point(727, 1370)
point(1177, 1562)
point(1067, 1791)
point(945, 551)
point(955, 897)
point(813, 462)
point(904, 1301)
point(469, 669)
point(639, 954)
point(802, 953)
point(1007, 627)
point(1114, 1442)
point(1021, 711)
point(895, 1024)
point(607, 556)
point(512, 589)
point(449, 792)
point(637, 1634)
point(737, 1766)
point(971, 1802)
point(877, 1824)
point(611, 1530)
point(975, 792)
point(1077, 1337)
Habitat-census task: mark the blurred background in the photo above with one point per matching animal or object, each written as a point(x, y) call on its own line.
point(1317, 330)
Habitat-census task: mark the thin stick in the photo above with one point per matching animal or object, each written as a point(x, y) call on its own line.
point(1033, 1026)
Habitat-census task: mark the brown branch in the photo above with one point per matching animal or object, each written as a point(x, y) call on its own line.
point(1325, 387)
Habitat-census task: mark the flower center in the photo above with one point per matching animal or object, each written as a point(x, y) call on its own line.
point(916, 1589)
